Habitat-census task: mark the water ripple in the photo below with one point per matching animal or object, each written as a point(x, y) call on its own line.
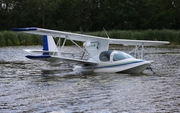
point(34, 86)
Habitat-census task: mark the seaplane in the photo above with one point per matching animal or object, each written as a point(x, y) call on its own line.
point(100, 57)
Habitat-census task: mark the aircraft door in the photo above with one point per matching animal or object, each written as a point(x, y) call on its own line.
point(105, 56)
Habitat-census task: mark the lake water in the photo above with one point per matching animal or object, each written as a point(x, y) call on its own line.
point(34, 86)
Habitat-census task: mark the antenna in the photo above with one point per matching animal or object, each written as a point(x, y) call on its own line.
point(106, 33)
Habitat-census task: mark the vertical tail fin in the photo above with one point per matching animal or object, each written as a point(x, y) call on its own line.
point(49, 45)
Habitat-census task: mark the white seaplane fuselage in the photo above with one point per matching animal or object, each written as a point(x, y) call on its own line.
point(115, 61)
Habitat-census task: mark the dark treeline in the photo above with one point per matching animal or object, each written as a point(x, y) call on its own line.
point(91, 15)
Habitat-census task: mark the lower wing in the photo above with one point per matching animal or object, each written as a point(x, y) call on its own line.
point(54, 59)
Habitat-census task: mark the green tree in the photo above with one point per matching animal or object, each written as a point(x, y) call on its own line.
point(91, 15)
point(176, 21)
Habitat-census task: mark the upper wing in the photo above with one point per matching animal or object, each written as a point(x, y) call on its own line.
point(84, 38)
point(137, 42)
point(55, 33)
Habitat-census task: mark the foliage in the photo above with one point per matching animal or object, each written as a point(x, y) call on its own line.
point(9, 38)
point(91, 15)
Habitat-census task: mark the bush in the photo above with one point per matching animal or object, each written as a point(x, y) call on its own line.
point(2, 41)
point(9, 38)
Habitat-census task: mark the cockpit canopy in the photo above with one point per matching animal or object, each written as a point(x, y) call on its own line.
point(112, 55)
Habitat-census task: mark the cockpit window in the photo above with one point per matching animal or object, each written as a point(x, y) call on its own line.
point(121, 56)
point(116, 55)
point(105, 56)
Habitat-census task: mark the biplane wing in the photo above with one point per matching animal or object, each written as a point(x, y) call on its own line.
point(55, 33)
point(93, 44)
point(84, 38)
point(56, 59)
point(126, 42)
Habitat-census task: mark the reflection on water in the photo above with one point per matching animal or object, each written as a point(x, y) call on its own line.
point(34, 86)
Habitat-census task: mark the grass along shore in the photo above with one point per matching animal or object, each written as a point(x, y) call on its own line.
point(10, 38)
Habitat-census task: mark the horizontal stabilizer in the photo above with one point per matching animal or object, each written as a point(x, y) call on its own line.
point(38, 56)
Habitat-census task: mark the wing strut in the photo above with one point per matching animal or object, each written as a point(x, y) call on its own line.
point(80, 47)
point(106, 33)
point(138, 52)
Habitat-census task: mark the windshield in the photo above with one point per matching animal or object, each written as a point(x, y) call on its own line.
point(121, 56)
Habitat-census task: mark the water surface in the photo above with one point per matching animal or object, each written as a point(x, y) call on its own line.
point(34, 86)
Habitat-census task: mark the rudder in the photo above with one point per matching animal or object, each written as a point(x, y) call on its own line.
point(49, 45)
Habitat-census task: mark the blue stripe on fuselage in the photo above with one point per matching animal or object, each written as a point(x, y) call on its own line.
point(119, 64)
point(115, 65)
